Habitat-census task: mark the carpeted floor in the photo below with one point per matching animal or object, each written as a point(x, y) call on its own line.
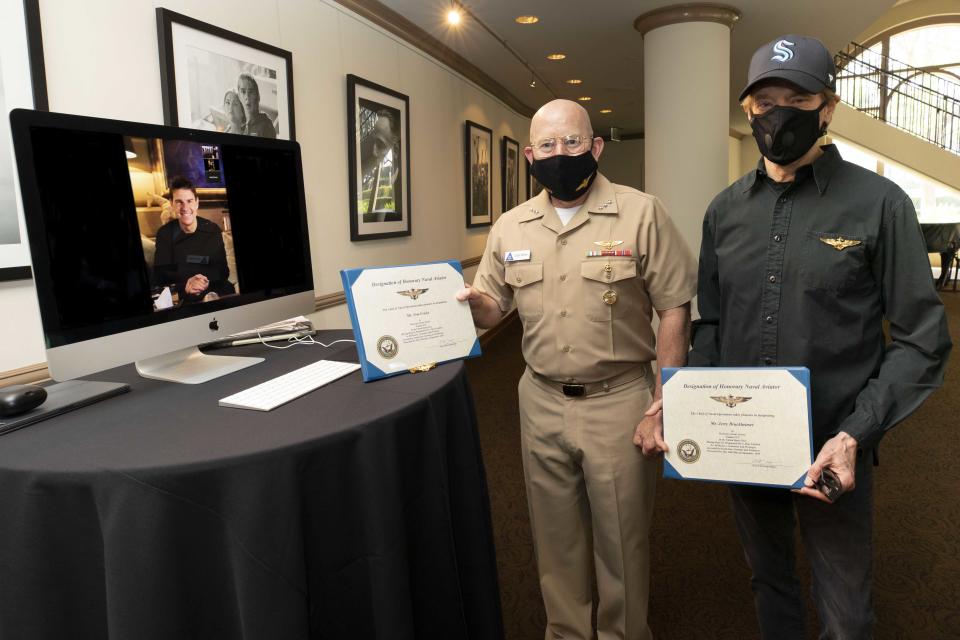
point(699, 580)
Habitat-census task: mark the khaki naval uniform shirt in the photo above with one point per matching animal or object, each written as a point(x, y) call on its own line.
point(586, 319)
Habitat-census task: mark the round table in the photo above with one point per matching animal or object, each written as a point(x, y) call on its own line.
point(357, 511)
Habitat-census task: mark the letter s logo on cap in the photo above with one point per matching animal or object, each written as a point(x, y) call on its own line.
point(783, 53)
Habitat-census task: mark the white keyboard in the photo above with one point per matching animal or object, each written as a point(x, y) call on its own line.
point(271, 394)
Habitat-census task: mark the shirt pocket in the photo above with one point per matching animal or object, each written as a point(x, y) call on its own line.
point(831, 262)
point(608, 288)
point(526, 278)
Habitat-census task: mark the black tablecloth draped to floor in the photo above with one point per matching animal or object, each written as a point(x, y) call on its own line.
point(358, 511)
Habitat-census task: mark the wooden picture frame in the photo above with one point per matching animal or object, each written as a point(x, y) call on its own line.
point(509, 173)
point(478, 165)
point(210, 78)
point(24, 85)
point(378, 153)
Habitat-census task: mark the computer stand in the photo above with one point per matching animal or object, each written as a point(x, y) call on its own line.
point(191, 366)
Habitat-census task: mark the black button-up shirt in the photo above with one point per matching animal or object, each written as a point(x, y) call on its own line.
point(804, 273)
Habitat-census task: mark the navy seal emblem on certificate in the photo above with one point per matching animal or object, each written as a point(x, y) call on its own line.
point(407, 317)
point(741, 425)
point(387, 346)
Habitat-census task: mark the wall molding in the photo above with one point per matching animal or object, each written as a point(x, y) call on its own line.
point(679, 13)
point(389, 20)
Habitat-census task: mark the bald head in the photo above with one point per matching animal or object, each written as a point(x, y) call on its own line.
point(560, 118)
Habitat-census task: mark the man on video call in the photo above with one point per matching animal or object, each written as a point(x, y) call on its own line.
point(190, 251)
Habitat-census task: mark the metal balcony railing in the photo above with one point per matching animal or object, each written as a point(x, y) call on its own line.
point(911, 99)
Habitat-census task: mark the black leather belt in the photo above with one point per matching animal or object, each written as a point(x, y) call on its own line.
point(574, 389)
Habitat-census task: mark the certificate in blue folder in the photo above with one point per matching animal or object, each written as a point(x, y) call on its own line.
point(407, 318)
point(740, 425)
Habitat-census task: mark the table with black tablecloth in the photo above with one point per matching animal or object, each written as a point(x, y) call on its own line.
point(357, 511)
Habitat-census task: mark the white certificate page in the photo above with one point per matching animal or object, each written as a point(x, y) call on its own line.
point(409, 317)
point(741, 425)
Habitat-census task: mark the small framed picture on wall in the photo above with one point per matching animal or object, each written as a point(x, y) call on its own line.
point(218, 80)
point(478, 161)
point(378, 150)
point(510, 172)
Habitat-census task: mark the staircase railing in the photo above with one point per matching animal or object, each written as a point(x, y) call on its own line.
point(911, 99)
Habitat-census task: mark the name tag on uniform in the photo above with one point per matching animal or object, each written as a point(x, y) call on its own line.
point(517, 256)
point(193, 259)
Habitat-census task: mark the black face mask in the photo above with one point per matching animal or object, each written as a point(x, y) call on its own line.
point(566, 177)
point(784, 134)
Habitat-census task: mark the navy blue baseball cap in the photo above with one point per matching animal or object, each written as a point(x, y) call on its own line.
point(802, 60)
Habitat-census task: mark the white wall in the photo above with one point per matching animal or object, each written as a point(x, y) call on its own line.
point(102, 60)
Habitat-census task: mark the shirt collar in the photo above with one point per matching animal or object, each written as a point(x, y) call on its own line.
point(601, 199)
point(823, 169)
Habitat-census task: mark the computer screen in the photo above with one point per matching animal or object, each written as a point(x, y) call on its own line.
point(148, 240)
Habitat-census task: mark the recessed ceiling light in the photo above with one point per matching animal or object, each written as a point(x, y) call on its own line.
point(606, 110)
point(573, 81)
point(584, 98)
point(454, 17)
point(526, 19)
point(556, 56)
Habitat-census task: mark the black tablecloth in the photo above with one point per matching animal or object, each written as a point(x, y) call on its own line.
point(358, 511)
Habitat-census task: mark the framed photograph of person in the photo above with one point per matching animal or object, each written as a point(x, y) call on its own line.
point(378, 152)
point(22, 84)
point(510, 172)
point(218, 80)
point(478, 162)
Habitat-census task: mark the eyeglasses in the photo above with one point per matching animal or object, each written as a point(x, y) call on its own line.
point(571, 143)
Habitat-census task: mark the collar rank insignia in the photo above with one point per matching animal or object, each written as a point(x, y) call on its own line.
point(729, 400)
point(608, 244)
point(413, 294)
point(840, 243)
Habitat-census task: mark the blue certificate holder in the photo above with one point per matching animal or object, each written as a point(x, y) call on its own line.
point(405, 318)
point(740, 425)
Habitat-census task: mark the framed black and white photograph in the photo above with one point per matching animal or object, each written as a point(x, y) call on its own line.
point(22, 84)
point(510, 173)
point(478, 161)
point(378, 151)
point(218, 80)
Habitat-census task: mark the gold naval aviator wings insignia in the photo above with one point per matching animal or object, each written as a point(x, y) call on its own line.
point(729, 400)
point(413, 294)
point(608, 244)
point(840, 243)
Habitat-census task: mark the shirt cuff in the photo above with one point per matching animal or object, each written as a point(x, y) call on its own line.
point(862, 427)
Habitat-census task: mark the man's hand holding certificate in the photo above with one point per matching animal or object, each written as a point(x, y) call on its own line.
point(741, 425)
point(408, 317)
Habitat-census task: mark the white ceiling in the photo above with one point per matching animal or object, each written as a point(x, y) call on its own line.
point(606, 52)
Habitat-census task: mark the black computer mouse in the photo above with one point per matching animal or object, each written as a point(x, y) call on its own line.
point(20, 398)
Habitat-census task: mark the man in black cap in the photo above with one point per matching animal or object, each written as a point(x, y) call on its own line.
point(802, 260)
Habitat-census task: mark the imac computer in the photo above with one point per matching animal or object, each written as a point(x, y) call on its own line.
point(149, 240)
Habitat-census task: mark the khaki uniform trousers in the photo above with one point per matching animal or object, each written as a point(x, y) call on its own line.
point(590, 492)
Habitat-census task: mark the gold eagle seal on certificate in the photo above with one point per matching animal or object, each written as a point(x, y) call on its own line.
point(840, 243)
point(413, 294)
point(689, 451)
point(729, 400)
point(387, 347)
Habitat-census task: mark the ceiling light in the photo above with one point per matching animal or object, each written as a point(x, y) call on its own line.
point(606, 110)
point(573, 81)
point(454, 17)
point(584, 98)
point(526, 19)
point(556, 56)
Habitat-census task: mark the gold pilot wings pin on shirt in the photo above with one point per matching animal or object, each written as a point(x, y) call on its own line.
point(840, 243)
